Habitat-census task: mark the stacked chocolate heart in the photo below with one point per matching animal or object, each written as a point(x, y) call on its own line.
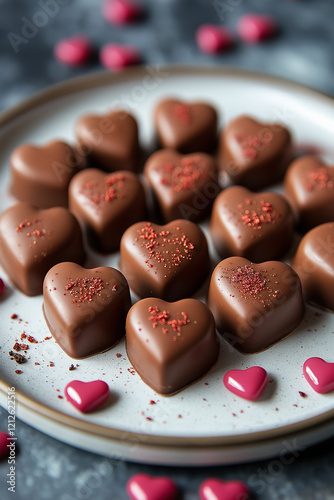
point(254, 299)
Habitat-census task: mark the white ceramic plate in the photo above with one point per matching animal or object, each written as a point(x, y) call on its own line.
point(204, 423)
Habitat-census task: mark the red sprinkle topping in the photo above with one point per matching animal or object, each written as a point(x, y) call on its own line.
point(31, 339)
point(253, 144)
point(14, 316)
point(163, 318)
point(302, 394)
point(249, 281)
point(254, 214)
point(84, 289)
point(319, 179)
point(34, 232)
point(184, 174)
point(18, 372)
point(111, 189)
point(183, 113)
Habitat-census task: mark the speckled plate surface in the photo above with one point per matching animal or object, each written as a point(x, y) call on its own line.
point(204, 423)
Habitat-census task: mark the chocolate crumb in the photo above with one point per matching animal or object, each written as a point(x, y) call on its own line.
point(18, 357)
point(71, 368)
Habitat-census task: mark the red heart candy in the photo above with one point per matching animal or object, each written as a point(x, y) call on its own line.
point(73, 51)
point(121, 11)
point(145, 487)
point(253, 28)
point(116, 57)
point(4, 442)
point(248, 384)
point(86, 396)
point(213, 489)
point(319, 374)
point(212, 39)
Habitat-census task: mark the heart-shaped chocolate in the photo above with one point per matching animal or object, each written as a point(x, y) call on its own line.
point(32, 241)
point(170, 345)
point(106, 205)
point(87, 396)
point(109, 141)
point(248, 384)
point(255, 305)
point(214, 489)
point(184, 186)
point(170, 262)
point(187, 127)
point(85, 309)
point(309, 187)
point(319, 374)
point(254, 154)
point(143, 486)
point(255, 226)
point(314, 263)
point(41, 174)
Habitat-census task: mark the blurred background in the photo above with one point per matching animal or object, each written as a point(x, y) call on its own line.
point(300, 50)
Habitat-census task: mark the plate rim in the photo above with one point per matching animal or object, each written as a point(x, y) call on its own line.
point(101, 78)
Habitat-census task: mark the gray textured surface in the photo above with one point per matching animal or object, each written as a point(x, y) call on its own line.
point(303, 51)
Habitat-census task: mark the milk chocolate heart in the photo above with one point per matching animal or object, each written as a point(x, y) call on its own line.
point(254, 154)
point(170, 262)
point(214, 489)
point(255, 226)
point(319, 374)
point(314, 263)
point(109, 141)
point(143, 486)
point(41, 174)
point(255, 305)
point(85, 309)
point(248, 384)
point(170, 345)
point(32, 241)
point(106, 205)
point(184, 186)
point(87, 396)
point(187, 127)
point(309, 187)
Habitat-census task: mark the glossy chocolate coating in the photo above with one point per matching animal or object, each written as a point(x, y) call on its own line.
point(106, 205)
point(255, 305)
point(32, 241)
point(255, 226)
point(85, 309)
point(254, 154)
point(40, 175)
point(169, 262)
point(170, 345)
point(314, 263)
point(109, 141)
point(184, 186)
point(309, 187)
point(187, 127)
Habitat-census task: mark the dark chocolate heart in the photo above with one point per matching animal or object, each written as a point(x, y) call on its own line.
point(254, 154)
point(109, 141)
point(184, 186)
point(255, 305)
point(85, 309)
point(170, 345)
point(309, 187)
point(41, 174)
point(170, 262)
point(32, 241)
point(255, 226)
point(314, 263)
point(106, 205)
point(187, 127)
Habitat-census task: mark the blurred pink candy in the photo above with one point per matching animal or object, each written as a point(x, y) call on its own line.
point(121, 11)
point(213, 39)
point(254, 28)
point(116, 57)
point(73, 51)
point(2, 287)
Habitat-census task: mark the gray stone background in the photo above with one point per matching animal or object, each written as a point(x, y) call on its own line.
point(303, 51)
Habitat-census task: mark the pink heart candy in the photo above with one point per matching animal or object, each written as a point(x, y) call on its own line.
point(319, 374)
point(73, 51)
point(212, 39)
point(145, 487)
point(4, 442)
point(213, 489)
point(2, 287)
point(254, 28)
point(86, 396)
point(121, 11)
point(116, 57)
point(248, 384)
